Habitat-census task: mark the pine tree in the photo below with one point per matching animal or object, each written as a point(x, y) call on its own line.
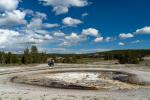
point(9, 58)
point(15, 59)
point(34, 54)
point(26, 58)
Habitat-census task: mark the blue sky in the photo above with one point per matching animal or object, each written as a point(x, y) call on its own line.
point(74, 26)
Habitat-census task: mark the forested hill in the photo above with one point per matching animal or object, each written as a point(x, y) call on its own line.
point(142, 52)
point(124, 56)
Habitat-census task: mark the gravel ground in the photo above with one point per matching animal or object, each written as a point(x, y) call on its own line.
point(15, 91)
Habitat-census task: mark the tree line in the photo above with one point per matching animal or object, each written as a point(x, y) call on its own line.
point(32, 55)
point(127, 56)
point(28, 57)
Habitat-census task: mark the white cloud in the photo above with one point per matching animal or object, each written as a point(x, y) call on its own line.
point(37, 22)
point(40, 15)
point(121, 43)
point(62, 6)
point(56, 50)
point(137, 41)
point(17, 39)
point(8, 36)
point(47, 37)
point(13, 17)
point(65, 43)
point(36, 30)
point(84, 15)
point(35, 38)
point(124, 36)
point(34, 41)
point(29, 12)
point(60, 10)
point(41, 31)
point(9, 14)
point(48, 25)
point(81, 51)
point(70, 40)
point(98, 39)
point(59, 34)
point(71, 21)
point(73, 37)
point(145, 30)
point(42, 37)
point(90, 32)
point(108, 39)
point(8, 5)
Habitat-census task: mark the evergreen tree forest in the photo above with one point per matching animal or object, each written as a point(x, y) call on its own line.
point(29, 56)
point(33, 56)
point(127, 56)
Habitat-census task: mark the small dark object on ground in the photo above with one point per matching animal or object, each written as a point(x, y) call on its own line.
point(51, 63)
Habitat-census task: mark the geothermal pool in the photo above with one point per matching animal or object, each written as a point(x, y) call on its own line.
point(101, 79)
point(93, 80)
